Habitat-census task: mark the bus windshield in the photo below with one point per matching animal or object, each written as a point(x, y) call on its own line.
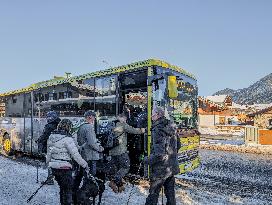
point(183, 108)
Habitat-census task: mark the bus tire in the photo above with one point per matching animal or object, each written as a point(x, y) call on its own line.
point(6, 144)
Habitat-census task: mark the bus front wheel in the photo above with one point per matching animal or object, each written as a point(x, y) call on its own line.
point(6, 144)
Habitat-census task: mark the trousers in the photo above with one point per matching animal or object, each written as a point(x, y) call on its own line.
point(65, 181)
point(155, 188)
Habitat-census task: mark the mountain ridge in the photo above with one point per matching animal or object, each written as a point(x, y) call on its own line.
point(259, 92)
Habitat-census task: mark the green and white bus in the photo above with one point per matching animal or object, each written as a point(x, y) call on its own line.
point(139, 86)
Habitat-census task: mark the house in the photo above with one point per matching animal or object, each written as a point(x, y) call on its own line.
point(261, 133)
point(262, 118)
point(212, 113)
point(223, 100)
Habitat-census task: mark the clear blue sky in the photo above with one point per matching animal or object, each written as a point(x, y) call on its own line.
point(224, 43)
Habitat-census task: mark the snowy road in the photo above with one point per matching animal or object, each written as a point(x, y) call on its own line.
point(224, 178)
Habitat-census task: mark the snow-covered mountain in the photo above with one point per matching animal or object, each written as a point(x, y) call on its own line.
point(259, 92)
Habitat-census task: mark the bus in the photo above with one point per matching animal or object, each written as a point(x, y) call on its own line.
point(135, 87)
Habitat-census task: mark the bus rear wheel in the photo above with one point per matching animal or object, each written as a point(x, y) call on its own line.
point(6, 144)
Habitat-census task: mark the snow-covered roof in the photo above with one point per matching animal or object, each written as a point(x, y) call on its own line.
point(238, 106)
point(217, 98)
point(260, 111)
point(212, 103)
point(260, 106)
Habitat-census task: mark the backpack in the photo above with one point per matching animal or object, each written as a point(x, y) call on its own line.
point(111, 140)
point(77, 125)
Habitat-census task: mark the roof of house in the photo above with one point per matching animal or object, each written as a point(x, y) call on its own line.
point(260, 106)
point(212, 103)
point(217, 98)
point(114, 70)
point(238, 106)
point(260, 111)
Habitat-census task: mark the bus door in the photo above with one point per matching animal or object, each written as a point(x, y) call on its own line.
point(27, 124)
point(133, 102)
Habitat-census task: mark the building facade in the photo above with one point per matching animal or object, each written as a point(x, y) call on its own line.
point(263, 118)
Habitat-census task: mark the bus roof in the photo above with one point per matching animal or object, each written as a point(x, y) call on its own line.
point(114, 70)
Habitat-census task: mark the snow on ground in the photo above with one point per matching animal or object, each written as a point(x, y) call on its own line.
point(231, 178)
point(18, 182)
point(223, 178)
point(222, 140)
point(253, 149)
point(214, 132)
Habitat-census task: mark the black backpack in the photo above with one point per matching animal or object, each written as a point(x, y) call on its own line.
point(110, 140)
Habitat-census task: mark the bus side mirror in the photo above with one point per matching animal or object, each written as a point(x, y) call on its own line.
point(172, 87)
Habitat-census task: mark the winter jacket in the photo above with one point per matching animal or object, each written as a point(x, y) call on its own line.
point(48, 129)
point(120, 130)
point(61, 150)
point(90, 146)
point(164, 147)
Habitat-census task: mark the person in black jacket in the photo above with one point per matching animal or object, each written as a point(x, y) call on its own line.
point(53, 120)
point(163, 159)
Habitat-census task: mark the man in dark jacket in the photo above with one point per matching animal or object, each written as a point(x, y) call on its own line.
point(53, 120)
point(163, 159)
point(52, 123)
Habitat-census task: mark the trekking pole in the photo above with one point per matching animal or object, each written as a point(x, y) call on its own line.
point(138, 171)
point(32, 196)
point(162, 196)
point(37, 176)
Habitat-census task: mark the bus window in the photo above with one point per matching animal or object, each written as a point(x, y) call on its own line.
point(2, 108)
point(71, 99)
point(159, 93)
point(105, 96)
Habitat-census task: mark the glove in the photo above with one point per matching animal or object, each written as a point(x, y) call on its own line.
point(101, 149)
point(165, 158)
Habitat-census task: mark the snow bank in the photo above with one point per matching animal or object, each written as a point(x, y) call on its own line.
point(266, 150)
point(213, 132)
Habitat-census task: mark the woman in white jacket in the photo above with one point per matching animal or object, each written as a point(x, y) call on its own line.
point(61, 150)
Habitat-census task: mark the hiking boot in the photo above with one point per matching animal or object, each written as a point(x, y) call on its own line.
point(48, 182)
point(113, 186)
